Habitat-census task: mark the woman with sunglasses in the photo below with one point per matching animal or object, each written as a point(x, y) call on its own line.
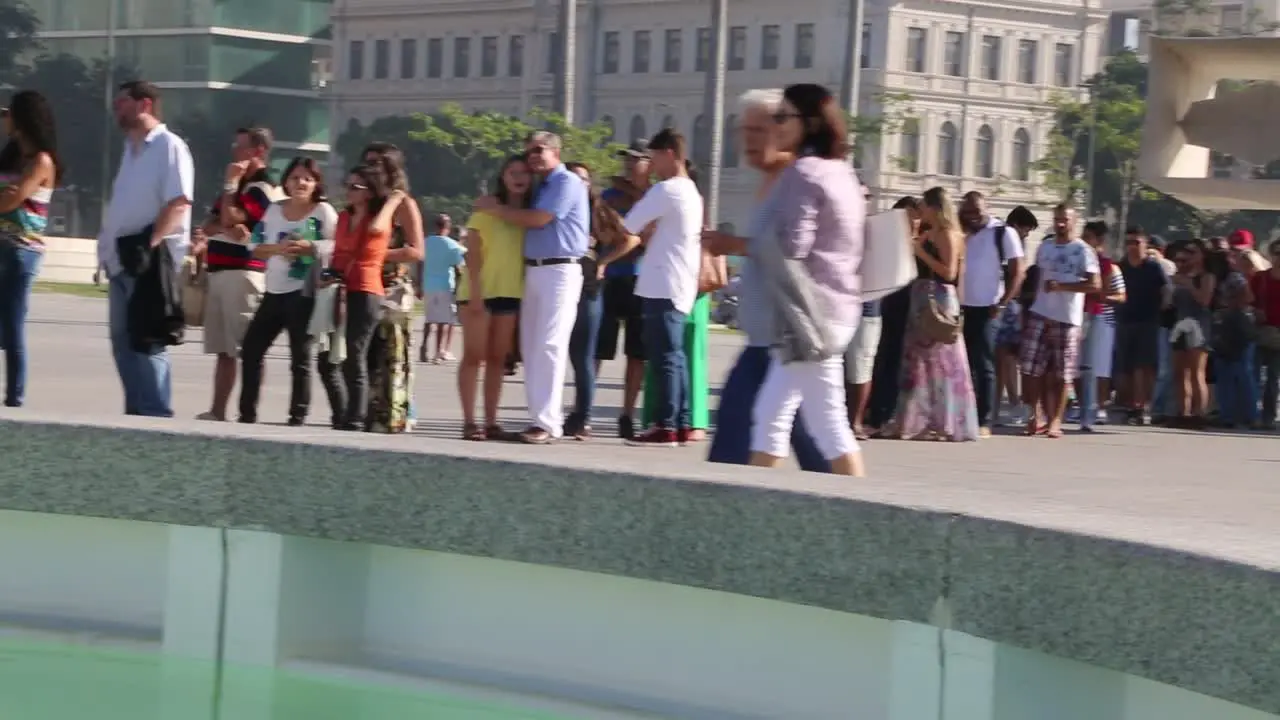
point(489, 294)
point(391, 407)
point(359, 252)
point(29, 171)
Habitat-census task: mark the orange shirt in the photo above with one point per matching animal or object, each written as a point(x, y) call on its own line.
point(359, 255)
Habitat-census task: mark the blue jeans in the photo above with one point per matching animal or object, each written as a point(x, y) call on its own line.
point(1087, 378)
point(1162, 398)
point(980, 344)
point(145, 375)
point(664, 350)
point(1238, 390)
point(19, 266)
point(582, 355)
point(732, 440)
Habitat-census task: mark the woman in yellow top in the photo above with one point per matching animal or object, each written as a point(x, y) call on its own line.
point(489, 298)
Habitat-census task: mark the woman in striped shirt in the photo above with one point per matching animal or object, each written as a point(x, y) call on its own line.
point(1100, 339)
point(29, 171)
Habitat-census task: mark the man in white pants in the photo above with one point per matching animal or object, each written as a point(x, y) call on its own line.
point(555, 241)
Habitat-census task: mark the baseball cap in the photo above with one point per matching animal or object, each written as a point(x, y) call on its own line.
point(637, 149)
point(1156, 242)
point(1240, 239)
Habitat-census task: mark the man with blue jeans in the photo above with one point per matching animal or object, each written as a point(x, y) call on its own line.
point(668, 283)
point(151, 194)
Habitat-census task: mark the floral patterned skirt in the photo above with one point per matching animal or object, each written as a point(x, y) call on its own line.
point(391, 374)
point(936, 399)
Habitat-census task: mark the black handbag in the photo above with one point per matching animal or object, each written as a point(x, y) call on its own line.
point(134, 252)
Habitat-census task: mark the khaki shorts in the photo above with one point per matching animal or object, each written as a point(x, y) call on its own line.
point(230, 302)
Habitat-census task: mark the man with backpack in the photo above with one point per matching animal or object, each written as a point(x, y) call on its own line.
point(992, 276)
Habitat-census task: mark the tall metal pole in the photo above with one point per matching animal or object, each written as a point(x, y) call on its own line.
point(713, 106)
point(851, 78)
point(565, 75)
point(108, 110)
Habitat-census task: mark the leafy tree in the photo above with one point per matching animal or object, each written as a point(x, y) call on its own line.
point(893, 109)
point(18, 27)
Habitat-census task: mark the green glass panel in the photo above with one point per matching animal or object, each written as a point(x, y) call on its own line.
point(262, 63)
point(291, 119)
point(178, 58)
point(290, 17)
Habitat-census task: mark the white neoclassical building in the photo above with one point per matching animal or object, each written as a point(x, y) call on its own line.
point(978, 76)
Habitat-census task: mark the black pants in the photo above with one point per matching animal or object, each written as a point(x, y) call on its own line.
point(334, 388)
point(278, 312)
point(363, 312)
point(886, 375)
point(980, 344)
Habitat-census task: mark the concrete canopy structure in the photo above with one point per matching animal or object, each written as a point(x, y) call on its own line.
point(1186, 120)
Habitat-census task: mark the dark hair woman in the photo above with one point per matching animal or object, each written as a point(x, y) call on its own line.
point(391, 407)
point(1194, 287)
point(292, 234)
point(359, 253)
point(820, 216)
point(489, 295)
point(29, 171)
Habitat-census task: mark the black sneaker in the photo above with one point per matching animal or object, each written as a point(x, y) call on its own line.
point(626, 428)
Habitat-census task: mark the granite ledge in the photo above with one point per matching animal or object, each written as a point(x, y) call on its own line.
point(1205, 622)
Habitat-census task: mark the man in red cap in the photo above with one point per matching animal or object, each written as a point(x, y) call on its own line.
point(1247, 260)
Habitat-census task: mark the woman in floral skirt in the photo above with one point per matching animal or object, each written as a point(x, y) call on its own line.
point(936, 400)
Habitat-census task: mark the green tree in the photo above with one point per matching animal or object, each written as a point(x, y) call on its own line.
point(18, 27)
point(868, 129)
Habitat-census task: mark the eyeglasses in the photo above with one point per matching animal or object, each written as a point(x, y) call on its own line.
point(782, 116)
point(535, 150)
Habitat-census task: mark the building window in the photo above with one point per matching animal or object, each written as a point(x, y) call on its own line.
point(985, 153)
point(916, 40)
point(738, 48)
point(909, 145)
point(804, 46)
point(381, 59)
point(947, 150)
point(611, 126)
point(488, 56)
point(461, 57)
point(640, 51)
point(1221, 165)
point(728, 146)
point(611, 53)
point(637, 128)
point(1232, 20)
point(701, 140)
point(953, 54)
point(770, 40)
point(435, 57)
point(990, 57)
point(702, 60)
point(669, 123)
point(515, 56)
point(672, 49)
point(408, 58)
point(864, 58)
point(1021, 155)
point(1028, 56)
point(1062, 53)
point(355, 60)
point(553, 53)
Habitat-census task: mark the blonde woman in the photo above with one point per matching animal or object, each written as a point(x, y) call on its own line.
point(936, 400)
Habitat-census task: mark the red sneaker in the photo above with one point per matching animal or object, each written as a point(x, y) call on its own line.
point(655, 437)
point(684, 436)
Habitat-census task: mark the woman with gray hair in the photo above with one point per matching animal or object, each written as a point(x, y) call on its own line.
point(731, 442)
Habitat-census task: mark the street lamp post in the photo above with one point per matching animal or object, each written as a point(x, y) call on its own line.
point(713, 104)
point(565, 76)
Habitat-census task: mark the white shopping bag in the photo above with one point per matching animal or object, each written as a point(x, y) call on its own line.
point(888, 262)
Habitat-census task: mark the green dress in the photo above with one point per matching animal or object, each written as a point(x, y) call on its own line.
point(696, 331)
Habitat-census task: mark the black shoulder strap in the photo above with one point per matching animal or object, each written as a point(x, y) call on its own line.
point(998, 231)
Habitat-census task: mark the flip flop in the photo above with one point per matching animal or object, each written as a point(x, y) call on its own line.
point(474, 433)
point(1053, 434)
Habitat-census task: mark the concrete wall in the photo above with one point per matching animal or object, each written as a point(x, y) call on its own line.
point(609, 641)
point(69, 260)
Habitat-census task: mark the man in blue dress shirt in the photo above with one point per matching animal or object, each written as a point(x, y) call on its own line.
point(556, 238)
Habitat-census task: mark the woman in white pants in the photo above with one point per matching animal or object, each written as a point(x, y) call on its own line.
point(814, 245)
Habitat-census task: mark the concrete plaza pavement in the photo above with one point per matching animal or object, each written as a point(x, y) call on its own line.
point(1162, 482)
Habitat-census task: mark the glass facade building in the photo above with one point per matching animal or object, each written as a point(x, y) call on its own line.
point(236, 62)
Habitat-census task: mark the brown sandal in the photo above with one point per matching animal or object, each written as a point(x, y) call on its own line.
point(472, 431)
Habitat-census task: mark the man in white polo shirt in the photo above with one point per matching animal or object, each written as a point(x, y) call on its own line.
point(993, 272)
point(668, 283)
point(150, 204)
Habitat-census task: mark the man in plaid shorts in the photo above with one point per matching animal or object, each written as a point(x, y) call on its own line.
point(1051, 336)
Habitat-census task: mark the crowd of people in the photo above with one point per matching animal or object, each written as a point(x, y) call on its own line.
point(552, 274)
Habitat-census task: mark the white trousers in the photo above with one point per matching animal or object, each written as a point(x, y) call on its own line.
point(548, 312)
point(814, 389)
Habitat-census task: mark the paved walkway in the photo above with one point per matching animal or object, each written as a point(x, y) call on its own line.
point(1159, 484)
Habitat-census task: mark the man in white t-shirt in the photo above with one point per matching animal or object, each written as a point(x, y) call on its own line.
point(1051, 339)
point(993, 273)
point(668, 283)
